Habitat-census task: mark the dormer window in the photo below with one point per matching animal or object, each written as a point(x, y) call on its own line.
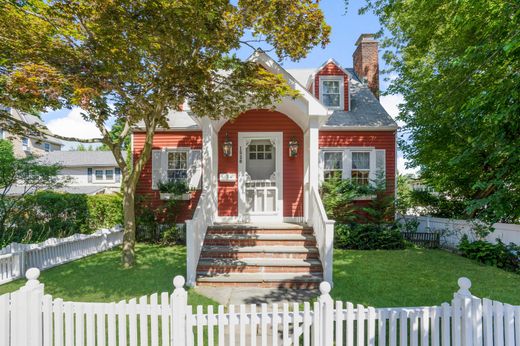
point(331, 91)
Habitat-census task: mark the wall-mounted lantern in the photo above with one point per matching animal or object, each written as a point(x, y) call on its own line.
point(227, 147)
point(293, 147)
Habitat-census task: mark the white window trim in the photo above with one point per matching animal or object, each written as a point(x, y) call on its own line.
point(45, 146)
point(341, 80)
point(104, 180)
point(177, 150)
point(347, 160)
point(26, 147)
point(342, 163)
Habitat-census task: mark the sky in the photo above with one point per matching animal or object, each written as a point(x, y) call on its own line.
point(346, 28)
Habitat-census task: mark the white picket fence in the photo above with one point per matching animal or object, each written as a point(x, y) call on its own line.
point(452, 230)
point(15, 258)
point(29, 317)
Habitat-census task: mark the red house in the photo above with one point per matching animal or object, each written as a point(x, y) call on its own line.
point(255, 216)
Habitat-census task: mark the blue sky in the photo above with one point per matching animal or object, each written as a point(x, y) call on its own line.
point(346, 28)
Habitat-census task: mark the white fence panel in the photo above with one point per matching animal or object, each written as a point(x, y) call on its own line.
point(452, 230)
point(28, 317)
point(15, 258)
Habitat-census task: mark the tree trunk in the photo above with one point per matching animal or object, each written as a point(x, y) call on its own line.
point(128, 256)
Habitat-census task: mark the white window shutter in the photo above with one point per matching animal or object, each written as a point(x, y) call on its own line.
point(321, 166)
point(163, 175)
point(381, 165)
point(194, 168)
point(156, 168)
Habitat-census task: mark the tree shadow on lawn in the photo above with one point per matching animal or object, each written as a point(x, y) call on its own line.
point(415, 277)
point(101, 277)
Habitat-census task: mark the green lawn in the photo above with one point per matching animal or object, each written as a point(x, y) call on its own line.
point(100, 278)
point(411, 277)
point(415, 277)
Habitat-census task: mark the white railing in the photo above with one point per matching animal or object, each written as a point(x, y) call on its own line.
point(452, 230)
point(324, 232)
point(29, 317)
point(196, 232)
point(15, 257)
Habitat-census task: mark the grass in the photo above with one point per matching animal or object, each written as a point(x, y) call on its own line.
point(415, 277)
point(101, 278)
point(412, 277)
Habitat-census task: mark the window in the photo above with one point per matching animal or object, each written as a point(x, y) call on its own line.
point(360, 171)
point(177, 165)
point(331, 92)
point(332, 164)
point(260, 152)
point(25, 143)
point(98, 174)
point(109, 174)
point(47, 147)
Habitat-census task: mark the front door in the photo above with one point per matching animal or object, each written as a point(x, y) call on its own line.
point(260, 177)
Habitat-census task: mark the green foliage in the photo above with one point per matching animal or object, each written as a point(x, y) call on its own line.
point(338, 197)
point(438, 205)
point(499, 255)
point(176, 187)
point(158, 224)
point(368, 237)
point(380, 209)
point(50, 214)
point(456, 64)
point(404, 191)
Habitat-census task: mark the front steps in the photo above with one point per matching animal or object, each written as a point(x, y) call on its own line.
point(260, 256)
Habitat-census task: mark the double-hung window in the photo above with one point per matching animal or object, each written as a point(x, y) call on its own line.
point(177, 165)
point(109, 174)
point(331, 91)
point(332, 164)
point(98, 173)
point(47, 147)
point(25, 143)
point(360, 170)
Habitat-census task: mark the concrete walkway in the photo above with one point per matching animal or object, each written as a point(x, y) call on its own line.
point(251, 295)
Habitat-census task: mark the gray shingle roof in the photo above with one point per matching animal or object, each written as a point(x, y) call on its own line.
point(365, 109)
point(80, 158)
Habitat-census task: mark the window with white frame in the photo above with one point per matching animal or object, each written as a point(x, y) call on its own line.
point(98, 174)
point(332, 164)
point(360, 167)
point(25, 143)
point(102, 174)
point(109, 174)
point(331, 91)
point(47, 147)
point(177, 165)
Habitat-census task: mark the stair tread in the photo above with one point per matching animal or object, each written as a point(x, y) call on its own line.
point(261, 277)
point(280, 237)
point(267, 262)
point(267, 226)
point(260, 248)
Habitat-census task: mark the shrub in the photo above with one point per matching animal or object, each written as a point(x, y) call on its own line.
point(176, 187)
point(338, 199)
point(104, 211)
point(499, 255)
point(368, 237)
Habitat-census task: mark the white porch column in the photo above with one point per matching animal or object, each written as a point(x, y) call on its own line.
point(312, 164)
point(210, 161)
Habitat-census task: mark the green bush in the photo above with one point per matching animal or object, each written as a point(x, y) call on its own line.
point(499, 255)
point(52, 214)
point(368, 237)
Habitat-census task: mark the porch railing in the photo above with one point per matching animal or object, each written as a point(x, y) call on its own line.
point(196, 232)
point(324, 232)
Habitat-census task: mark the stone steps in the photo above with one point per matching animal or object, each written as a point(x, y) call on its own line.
point(260, 256)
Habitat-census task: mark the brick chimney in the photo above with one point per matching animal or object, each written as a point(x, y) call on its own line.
point(366, 62)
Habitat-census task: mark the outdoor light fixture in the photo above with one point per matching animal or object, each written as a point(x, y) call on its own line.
point(227, 147)
point(293, 147)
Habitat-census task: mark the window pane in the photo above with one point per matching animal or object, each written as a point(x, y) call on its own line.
point(252, 147)
point(268, 147)
point(252, 156)
point(331, 100)
point(260, 147)
point(333, 160)
point(360, 177)
point(260, 156)
point(330, 87)
point(99, 174)
point(109, 174)
point(360, 160)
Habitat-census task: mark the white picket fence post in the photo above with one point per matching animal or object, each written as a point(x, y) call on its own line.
point(467, 323)
point(326, 320)
point(179, 303)
point(26, 311)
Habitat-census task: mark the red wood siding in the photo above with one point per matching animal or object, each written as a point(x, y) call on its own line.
point(262, 121)
point(378, 139)
point(148, 198)
point(332, 70)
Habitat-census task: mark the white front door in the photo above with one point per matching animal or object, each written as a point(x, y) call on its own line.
point(260, 190)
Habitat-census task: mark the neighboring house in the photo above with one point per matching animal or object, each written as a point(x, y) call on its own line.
point(265, 167)
point(90, 172)
point(29, 144)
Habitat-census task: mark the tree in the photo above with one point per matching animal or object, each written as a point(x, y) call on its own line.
point(457, 65)
point(133, 60)
point(18, 178)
